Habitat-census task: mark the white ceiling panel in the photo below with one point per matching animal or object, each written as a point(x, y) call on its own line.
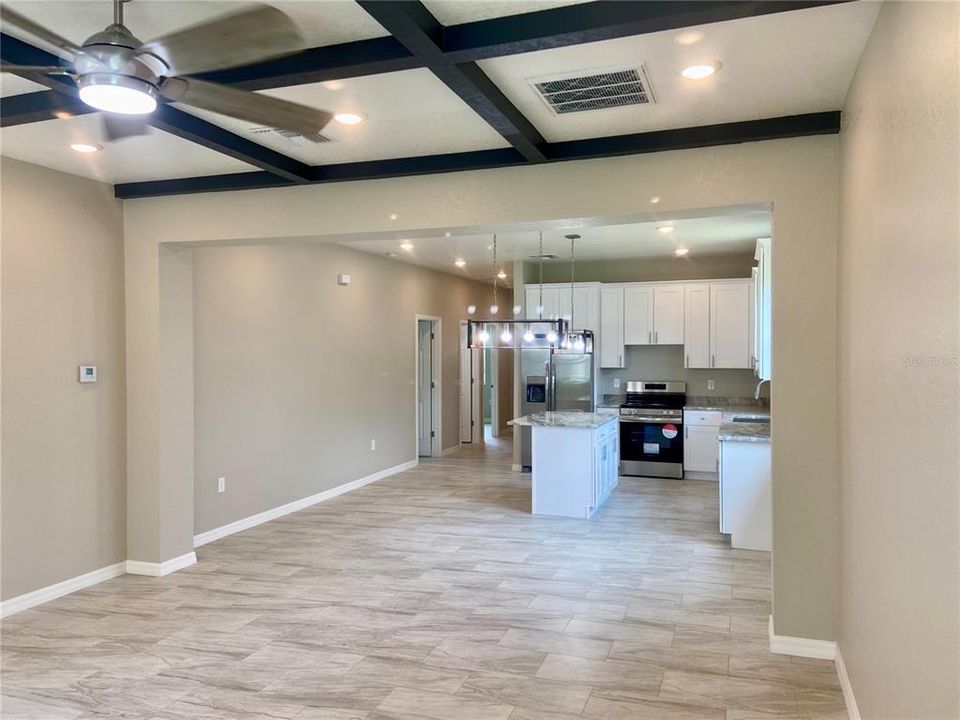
point(454, 12)
point(782, 64)
point(732, 232)
point(322, 23)
point(16, 85)
point(407, 113)
point(156, 156)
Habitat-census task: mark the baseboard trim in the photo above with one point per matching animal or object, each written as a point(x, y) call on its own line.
point(266, 516)
point(801, 647)
point(451, 450)
point(140, 567)
point(65, 587)
point(853, 712)
point(697, 475)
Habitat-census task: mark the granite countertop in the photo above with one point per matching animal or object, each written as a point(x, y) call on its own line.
point(578, 420)
point(745, 432)
point(739, 405)
point(612, 401)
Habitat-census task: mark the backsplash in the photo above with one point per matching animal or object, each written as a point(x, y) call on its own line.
point(665, 362)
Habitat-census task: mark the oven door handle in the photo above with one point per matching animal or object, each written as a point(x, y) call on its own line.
point(650, 420)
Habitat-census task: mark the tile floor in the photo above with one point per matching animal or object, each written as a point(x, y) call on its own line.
point(432, 594)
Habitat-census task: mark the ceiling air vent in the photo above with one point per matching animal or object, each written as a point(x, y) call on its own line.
point(600, 90)
point(291, 136)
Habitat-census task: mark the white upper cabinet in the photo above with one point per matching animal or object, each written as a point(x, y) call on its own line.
point(730, 325)
point(668, 314)
point(696, 326)
point(611, 327)
point(638, 315)
point(586, 306)
point(551, 302)
point(763, 319)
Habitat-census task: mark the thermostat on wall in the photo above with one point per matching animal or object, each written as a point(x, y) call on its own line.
point(88, 373)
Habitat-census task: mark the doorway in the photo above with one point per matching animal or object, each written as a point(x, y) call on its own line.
point(471, 390)
point(428, 386)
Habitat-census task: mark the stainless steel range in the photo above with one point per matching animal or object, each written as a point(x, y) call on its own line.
point(651, 429)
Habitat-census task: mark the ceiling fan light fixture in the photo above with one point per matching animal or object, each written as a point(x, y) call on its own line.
point(349, 118)
point(118, 93)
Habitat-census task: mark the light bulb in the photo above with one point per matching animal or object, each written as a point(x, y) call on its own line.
point(471, 309)
point(517, 309)
point(506, 336)
point(528, 336)
point(551, 337)
point(494, 309)
point(119, 99)
point(578, 344)
point(484, 336)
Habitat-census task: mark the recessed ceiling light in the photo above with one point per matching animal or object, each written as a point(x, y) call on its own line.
point(460, 262)
point(349, 118)
point(699, 72)
point(502, 275)
point(680, 252)
point(665, 229)
point(655, 199)
point(85, 148)
point(407, 245)
point(691, 37)
point(393, 216)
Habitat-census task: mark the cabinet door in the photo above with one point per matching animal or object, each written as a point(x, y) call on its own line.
point(764, 318)
point(638, 315)
point(730, 325)
point(551, 303)
point(668, 315)
point(696, 325)
point(700, 448)
point(611, 328)
point(754, 319)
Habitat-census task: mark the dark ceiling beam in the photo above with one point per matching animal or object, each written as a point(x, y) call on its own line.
point(422, 35)
point(39, 106)
point(659, 141)
point(165, 117)
point(596, 21)
point(320, 64)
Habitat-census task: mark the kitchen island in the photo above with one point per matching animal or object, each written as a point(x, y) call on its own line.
point(575, 461)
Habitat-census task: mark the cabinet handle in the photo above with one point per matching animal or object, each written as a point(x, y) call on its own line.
point(620, 360)
point(686, 432)
point(656, 335)
point(649, 338)
point(713, 360)
point(687, 363)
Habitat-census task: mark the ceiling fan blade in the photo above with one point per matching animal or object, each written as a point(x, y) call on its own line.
point(64, 47)
point(117, 127)
point(239, 38)
point(246, 105)
point(43, 69)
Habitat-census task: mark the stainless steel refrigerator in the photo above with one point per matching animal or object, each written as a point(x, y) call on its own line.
point(553, 381)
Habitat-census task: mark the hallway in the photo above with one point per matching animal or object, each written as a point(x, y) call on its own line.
point(432, 594)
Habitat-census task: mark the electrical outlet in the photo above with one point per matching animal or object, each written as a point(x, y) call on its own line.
point(616, 383)
point(221, 484)
point(373, 444)
point(711, 385)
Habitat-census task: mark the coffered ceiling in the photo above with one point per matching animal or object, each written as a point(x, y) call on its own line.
point(459, 102)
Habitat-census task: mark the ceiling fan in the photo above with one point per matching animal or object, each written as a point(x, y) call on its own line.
point(118, 73)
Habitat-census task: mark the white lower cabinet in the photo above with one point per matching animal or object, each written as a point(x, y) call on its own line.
point(701, 449)
point(746, 499)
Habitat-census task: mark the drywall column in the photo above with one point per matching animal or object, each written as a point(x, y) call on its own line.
point(159, 344)
point(519, 298)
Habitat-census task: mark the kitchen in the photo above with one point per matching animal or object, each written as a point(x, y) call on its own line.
point(660, 350)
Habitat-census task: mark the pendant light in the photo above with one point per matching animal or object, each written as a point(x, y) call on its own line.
point(517, 333)
point(575, 341)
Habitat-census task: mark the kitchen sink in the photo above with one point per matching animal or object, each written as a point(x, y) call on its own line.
point(765, 421)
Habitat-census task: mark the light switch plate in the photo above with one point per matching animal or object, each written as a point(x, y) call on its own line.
point(711, 385)
point(616, 383)
point(87, 373)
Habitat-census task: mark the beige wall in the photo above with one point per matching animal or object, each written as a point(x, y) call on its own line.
point(294, 374)
point(899, 326)
point(62, 442)
point(693, 267)
point(798, 176)
point(665, 362)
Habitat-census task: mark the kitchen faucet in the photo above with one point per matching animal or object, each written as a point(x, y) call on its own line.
point(756, 393)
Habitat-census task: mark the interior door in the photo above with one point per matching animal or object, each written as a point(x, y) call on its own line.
point(466, 401)
point(730, 325)
point(424, 388)
point(696, 325)
point(668, 314)
point(638, 315)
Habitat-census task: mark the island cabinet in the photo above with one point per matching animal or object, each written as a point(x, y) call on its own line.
point(574, 468)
